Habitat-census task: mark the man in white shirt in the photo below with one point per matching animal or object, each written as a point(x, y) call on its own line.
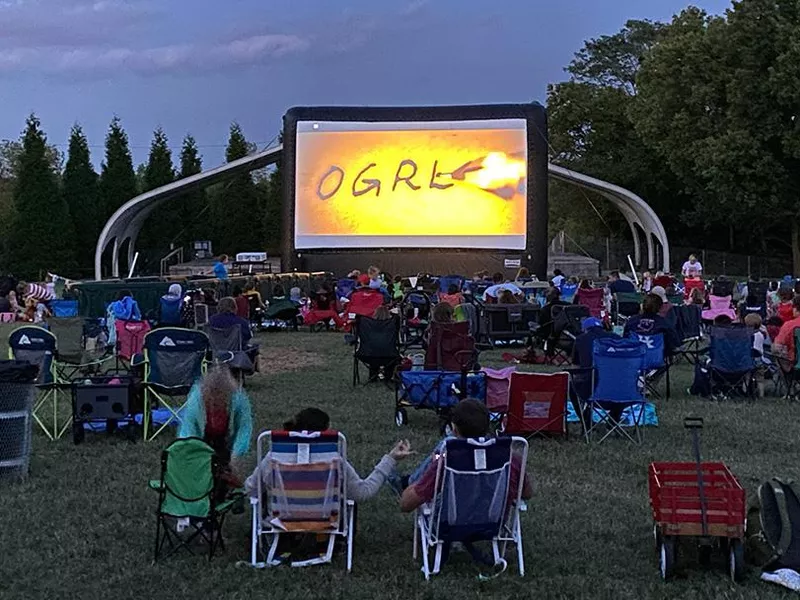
point(499, 284)
point(692, 265)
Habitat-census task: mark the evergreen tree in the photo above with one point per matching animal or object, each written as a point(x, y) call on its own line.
point(117, 178)
point(192, 207)
point(272, 202)
point(80, 195)
point(162, 225)
point(42, 235)
point(237, 212)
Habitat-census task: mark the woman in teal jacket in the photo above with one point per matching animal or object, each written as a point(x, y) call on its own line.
point(218, 411)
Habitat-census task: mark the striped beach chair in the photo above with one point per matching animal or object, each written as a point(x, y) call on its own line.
point(302, 491)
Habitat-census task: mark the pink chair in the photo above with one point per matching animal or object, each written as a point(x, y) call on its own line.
point(7, 317)
point(719, 306)
point(130, 338)
point(498, 382)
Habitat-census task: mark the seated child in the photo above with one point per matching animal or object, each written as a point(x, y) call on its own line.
point(314, 419)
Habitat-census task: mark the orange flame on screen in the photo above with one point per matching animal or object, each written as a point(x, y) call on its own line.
point(497, 170)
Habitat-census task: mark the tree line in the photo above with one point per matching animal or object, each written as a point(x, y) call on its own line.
point(52, 208)
point(699, 116)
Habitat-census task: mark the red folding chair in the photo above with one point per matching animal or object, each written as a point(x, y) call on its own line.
point(537, 404)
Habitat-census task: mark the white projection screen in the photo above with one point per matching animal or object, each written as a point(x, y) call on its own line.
point(411, 184)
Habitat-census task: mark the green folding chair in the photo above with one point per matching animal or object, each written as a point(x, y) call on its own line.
point(188, 507)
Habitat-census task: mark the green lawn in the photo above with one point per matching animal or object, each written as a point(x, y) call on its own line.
point(83, 524)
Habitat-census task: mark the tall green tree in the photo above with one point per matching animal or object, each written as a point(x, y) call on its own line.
point(718, 99)
point(193, 208)
point(79, 186)
point(592, 132)
point(117, 178)
point(237, 212)
point(42, 235)
point(162, 226)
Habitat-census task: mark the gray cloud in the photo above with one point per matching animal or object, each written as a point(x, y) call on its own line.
point(70, 23)
point(102, 61)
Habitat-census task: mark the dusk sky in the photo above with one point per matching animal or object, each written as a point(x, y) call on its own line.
point(196, 65)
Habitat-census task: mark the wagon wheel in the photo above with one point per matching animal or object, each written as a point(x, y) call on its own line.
point(667, 557)
point(736, 560)
point(704, 554)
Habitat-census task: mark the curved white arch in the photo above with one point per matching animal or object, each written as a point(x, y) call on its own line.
point(127, 221)
point(632, 207)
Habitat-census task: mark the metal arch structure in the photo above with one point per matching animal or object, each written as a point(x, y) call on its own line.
point(636, 211)
point(126, 223)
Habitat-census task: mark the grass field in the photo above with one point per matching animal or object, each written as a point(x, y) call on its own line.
point(83, 524)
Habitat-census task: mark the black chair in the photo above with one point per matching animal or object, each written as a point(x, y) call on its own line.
point(377, 345)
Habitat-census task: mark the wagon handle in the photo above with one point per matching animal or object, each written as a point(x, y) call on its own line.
point(694, 425)
point(693, 422)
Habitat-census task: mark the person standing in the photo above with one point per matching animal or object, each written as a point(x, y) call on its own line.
point(221, 268)
point(692, 265)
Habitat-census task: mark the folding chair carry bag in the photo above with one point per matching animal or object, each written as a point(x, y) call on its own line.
point(537, 404)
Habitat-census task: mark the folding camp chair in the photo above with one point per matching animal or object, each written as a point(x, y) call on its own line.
point(448, 280)
point(450, 347)
point(130, 340)
point(593, 299)
point(188, 491)
point(74, 356)
point(656, 362)
point(302, 490)
point(377, 345)
point(436, 390)
point(625, 305)
point(731, 365)
point(566, 329)
point(227, 347)
point(537, 404)
point(478, 497)
point(38, 346)
point(693, 284)
point(173, 359)
point(618, 367)
point(568, 291)
point(415, 312)
point(688, 324)
point(789, 373)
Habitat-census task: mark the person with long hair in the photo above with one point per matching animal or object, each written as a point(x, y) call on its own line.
point(218, 411)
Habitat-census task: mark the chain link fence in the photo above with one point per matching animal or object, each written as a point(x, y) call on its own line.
point(612, 252)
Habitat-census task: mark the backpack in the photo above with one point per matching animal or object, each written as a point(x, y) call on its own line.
point(773, 526)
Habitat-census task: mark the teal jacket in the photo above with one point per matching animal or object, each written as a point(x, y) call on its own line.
point(240, 425)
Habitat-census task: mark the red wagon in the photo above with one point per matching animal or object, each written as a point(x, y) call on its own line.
point(702, 500)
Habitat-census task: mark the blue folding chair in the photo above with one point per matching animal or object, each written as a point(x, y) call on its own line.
point(618, 368)
point(568, 291)
point(476, 499)
point(656, 363)
point(344, 287)
point(731, 366)
point(448, 280)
